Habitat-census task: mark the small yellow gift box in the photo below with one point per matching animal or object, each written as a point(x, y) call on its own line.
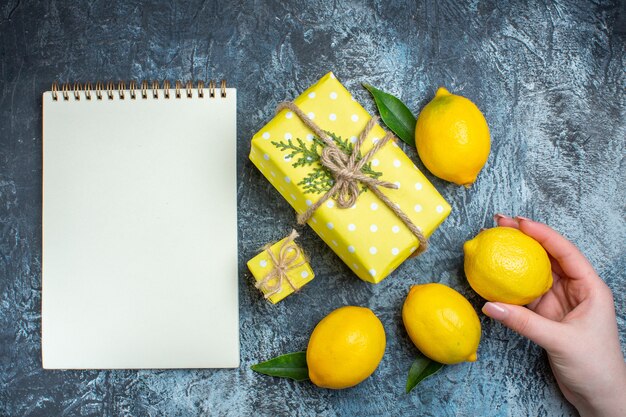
point(281, 269)
point(370, 236)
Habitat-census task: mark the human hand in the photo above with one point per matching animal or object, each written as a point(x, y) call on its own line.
point(574, 322)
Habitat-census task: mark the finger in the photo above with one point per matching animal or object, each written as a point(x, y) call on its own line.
point(525, 322)
point(533, 304)
point(555, 278)
point(572, 262)
point(505, 221)
point(544, 302)
point(556, 268)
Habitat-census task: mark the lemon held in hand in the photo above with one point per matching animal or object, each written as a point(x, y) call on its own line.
point(452, 138)
point(503, 264)
point(441, 323)
point(345, 347)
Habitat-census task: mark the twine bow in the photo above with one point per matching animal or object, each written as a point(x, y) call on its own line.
point(281, 265)
point(347, 173)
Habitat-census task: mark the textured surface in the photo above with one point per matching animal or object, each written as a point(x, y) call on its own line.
point(549, 77)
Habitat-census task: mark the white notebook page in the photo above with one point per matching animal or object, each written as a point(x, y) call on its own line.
point(140, 232)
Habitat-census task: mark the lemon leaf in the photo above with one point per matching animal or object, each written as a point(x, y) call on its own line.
point(395, 114)
point(290, 365)
point(421, 369)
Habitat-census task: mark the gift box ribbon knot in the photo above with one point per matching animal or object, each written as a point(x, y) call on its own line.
point(347, 173)
point(281, 265)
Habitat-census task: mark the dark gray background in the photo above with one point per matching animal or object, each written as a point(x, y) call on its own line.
point(549, 76)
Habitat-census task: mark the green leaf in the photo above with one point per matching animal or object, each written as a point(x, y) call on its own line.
point(395, 114)
point(319, 179)
point(291, 365)
point(421, 369)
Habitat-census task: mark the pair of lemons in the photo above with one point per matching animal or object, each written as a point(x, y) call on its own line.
point(347, 345)
point(501, 264)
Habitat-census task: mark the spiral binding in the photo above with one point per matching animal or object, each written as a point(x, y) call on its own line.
point(111, 90)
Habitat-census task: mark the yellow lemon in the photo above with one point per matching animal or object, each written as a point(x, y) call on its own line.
point(345, 347)
point(441, 323)
point(452, 138)
point(503, 264)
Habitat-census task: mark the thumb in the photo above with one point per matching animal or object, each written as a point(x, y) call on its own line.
point(539, 329)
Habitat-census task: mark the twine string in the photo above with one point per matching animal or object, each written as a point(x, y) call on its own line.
point(347, 173)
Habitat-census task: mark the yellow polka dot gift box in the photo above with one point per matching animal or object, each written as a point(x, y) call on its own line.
point(348, 179)
point(281, 269)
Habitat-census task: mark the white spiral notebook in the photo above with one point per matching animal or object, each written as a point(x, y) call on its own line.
point(139, 227)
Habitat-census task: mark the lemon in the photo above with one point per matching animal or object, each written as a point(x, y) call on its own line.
point(441, 323)
point(503, 264)
point(345, 347)
point(452, 138)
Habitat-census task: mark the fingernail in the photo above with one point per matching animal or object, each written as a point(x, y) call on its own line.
point(522, 218)
point(499, 216)
point(495, 311)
